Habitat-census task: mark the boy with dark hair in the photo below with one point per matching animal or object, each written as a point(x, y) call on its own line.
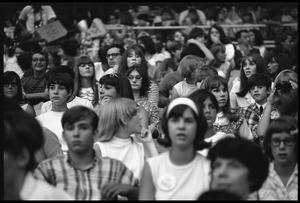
point(81, 173)
point(259, 88)
point(60, 87)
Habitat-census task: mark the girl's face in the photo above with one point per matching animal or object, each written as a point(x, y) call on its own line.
point(108, 91)
point(214, 34)
point(231, 175)
point(134, 124)
point(283, 147)
point(183, 130)
point(221, 94)
point(135, 80)
point(133, 58)
point(178, 36)
point(273, 67)
point(11, 89)
point(249, 67)
point(287, 44)
point(108, 40)
point(209, 111)
point(221, 56)
point(86, 70)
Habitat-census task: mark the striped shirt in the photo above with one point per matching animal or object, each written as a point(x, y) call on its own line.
point(84, 184)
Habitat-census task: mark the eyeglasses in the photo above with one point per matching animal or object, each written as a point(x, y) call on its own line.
point(137, 77)
point(284, 85)
point(36, 59)
point(114, 55)
point(13, 84)
point(287, 142)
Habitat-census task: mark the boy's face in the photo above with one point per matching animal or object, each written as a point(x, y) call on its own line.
point(58, 94)
point(79, 136)
point(260, 93)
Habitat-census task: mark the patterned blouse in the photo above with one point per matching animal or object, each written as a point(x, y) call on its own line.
point(151, 109)
point(87, 93)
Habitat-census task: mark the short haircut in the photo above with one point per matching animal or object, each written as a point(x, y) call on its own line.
point(282, 124)
point(41, 53)
point(118, 46)
point(64, 79)
point(196, 32)
point(216, 48)
point(238, 34)
point(204, 72)
point(259, 79)
point(79, 113)
point(110, 117)
point(22, 131)
point(191, 49)
point(70, 47)
point(246, 152)
point(188, 65)
point(177, 112)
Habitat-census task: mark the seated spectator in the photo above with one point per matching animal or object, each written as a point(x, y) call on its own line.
point(22, 138)
point(98, 178)
point(238, 166)
point(281, 147)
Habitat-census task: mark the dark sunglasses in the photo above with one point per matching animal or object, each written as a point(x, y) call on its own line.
point(284, 85)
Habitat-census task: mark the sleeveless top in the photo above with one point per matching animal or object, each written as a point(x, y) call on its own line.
point(173, 182)
point(128, 151)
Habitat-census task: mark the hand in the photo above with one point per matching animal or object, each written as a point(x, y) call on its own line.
point(293, 84)
point(192, 41)
point(110, 190)
point(145, 136)
point(105, 99)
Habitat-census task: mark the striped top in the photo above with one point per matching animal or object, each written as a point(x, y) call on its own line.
point(84, 184)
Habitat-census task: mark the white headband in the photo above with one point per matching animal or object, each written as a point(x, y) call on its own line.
point(182, 100)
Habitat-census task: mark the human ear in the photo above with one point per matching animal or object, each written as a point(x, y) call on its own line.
point(23, 158)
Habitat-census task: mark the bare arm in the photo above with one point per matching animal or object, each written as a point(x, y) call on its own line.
point(147, 188)
point(209, 56)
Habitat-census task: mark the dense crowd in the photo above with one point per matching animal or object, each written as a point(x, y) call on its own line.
point(113, 110)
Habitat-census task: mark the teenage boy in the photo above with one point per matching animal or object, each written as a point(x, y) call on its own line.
point(60, 88)
point(81, 173)
point(260, 88)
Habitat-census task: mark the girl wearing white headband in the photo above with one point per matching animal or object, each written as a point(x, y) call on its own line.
point(179, 173)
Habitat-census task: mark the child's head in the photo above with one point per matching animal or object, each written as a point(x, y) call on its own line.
point(115, 115)
point(208, 103)
point(218, 50)
point(204, 72)
point(79, 113)
point(246, 178)
point(63, 79)
point(188, 65)
point(261, 83)
point(219, 87)
point(283, 128)
point(175, 111)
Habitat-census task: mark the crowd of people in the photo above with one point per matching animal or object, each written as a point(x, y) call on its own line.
point(172, 114)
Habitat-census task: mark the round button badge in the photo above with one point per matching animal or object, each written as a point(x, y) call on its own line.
point(166, 182)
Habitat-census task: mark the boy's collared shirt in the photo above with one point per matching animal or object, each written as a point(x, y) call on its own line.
point(84, 184)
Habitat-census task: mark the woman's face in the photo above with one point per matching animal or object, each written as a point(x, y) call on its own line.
point(221, 56)
point(221, 94)
point(108, 40)
point(178, 36)
point(210, 111)
point(135, 80)
point(231, 175)
point(183, 130)
point(38, 62)
point(107, 91)
point(283, 147)
point(249, 67)
point(133, 58)
point(287, 44)
point(86, 70)
point(11, 89)
point(272, 67)
point(134, 124)
point(215, 35)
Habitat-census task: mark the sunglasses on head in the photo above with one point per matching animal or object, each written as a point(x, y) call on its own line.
point(284, 85)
